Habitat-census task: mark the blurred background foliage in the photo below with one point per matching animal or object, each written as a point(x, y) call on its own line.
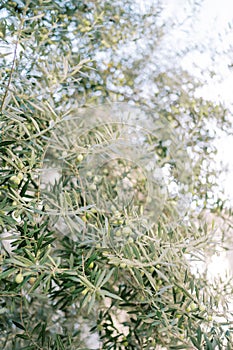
point(59, 56)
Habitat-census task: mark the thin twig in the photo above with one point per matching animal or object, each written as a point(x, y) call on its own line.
point(11, 73)
point(14, 56)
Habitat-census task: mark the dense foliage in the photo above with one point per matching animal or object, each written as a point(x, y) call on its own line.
point(80, 253)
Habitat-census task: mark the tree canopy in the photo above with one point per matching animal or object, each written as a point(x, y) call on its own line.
point(106, 170)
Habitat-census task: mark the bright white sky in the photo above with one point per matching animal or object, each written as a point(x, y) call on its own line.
point(211, 28)
point(208, 35)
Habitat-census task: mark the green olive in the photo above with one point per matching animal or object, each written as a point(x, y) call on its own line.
point(80, 158)
point(193, 306)
point(118, 233)
point(20, 176)
point(127, 231)
point(15, 179)
point(84, 218)
point(92, 187)
point(202, 308)
point(130, 240)
point(19, 278)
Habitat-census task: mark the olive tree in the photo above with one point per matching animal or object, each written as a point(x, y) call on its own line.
point(101, 199)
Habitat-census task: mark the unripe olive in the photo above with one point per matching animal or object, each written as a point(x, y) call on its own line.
point(97, 179)
point(127, 231)
point(118, 233)
point(123, 265)
point(80, 158)
point(84, 218)
point(202, 308)
point(19, 278)
point(32, 280)
point(20, 176)
point(130, 240)
point(193, 306)
point(15, 179)
point(92, 187)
